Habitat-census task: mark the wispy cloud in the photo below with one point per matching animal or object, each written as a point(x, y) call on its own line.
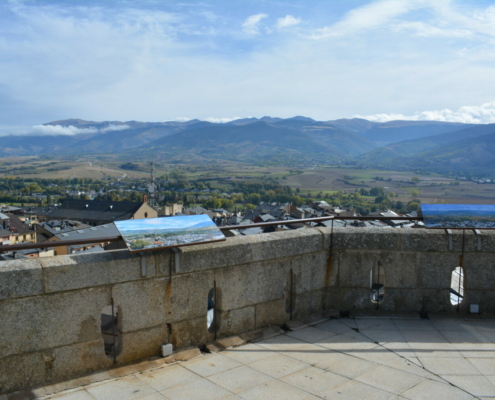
point(483, 114)
point(287, 21)
point(368, 17)
point(250, 25)
point(59, 130)
point(113, 127)
point(222, 120)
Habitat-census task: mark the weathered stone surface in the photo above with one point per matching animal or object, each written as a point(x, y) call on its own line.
point(437, 240)
point(233, 322)
point(88, 270)
point(187, 354)
point(19, 278)
point(192, 332)
point(249, 249)
point(246, 285)
point(187, 296)
point(400, 300)
point(271, 313)
point(21, 372)
point(478, 271)
point(435, 269)
point(366, 239)
point(261, 334)
point(346, 298)
point(225, 343)
point(42, 322)
point(141, 344)
point(164, 262)
point(435, 300)
point(141, 304)
point(308, 303)
point(353, 268)
point(76, 360)
point(310, 271)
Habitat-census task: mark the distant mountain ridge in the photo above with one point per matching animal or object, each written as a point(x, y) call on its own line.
point(470, 150)
point(247, 139)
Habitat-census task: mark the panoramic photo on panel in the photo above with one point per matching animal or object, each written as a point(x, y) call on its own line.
point(460, 216)
point(155, 233)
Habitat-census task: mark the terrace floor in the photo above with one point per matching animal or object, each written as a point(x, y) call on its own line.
point(348, 358)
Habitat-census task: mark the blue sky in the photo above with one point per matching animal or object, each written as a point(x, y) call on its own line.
point(218, 60)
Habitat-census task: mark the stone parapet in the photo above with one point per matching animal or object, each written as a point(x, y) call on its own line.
point(50, 308)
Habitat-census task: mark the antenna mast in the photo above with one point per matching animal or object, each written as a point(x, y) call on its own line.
point(152, 188)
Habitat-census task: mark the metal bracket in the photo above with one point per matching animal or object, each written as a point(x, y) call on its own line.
point(451, 242)
point(177, 259)
point(478, 235)
point(143, 264)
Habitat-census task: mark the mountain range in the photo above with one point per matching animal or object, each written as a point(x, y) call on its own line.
point(432, 145)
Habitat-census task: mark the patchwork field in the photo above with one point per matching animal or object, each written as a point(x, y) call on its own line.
point(317, 182)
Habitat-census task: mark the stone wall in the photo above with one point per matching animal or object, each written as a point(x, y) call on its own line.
point(50, 308)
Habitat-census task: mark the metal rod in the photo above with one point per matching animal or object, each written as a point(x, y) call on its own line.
point(291, 295)
point(461, 271)
point(113, 336)
point(214, 322)
point(43, 245)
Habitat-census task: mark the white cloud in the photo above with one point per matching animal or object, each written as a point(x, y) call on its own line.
point(221, 120)
point(422, 29)
point(113, 127)
point(250, 25)
point(483, 114)
point(368, 17)
point(287, 21)
point(59, 130)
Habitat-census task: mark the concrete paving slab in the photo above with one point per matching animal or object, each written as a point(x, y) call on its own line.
point(411, 367)
point(210, 364)
point(275, 390)
point(449, 366)
point(126, 388)
point(413, 325)
point(329, 361)
point(240, 379)
point(474, 385)
point(79, 394)
point(167, 377)
point(428, 390)
point(314, 380)
point(354, 390)
point(248, 353)
point(278, 366)
point(311, 334)
point(200, 389)
point(485, 366)
point(348, 342)
point(390, 379)
point(346, 365)
point(379, 355)
point(383, 335)
point(375, 323)
point(333, 325)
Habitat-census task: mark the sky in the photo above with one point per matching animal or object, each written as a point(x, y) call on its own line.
point(218, 60)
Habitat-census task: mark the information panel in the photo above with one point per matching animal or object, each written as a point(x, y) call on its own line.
point(459, 216)
point(157, 233)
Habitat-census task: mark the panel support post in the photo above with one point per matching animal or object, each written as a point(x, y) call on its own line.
point(177, 259)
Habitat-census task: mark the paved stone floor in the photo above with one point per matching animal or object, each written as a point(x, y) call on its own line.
point(360, 358)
